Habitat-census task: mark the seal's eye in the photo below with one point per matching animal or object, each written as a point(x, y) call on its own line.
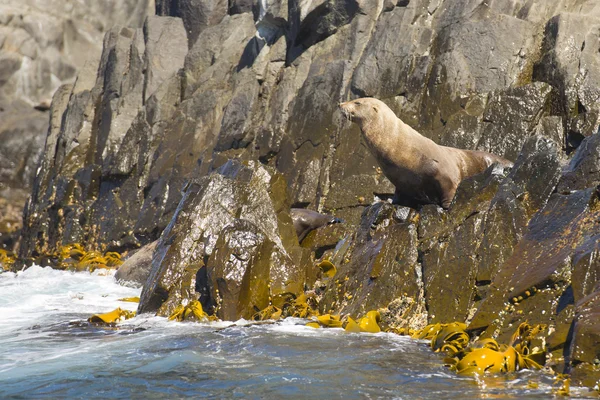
point(358, 103)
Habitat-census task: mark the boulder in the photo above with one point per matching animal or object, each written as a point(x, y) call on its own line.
point(232, 241)
point(136, 268)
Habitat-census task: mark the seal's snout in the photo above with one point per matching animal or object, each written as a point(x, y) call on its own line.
point(345, 108)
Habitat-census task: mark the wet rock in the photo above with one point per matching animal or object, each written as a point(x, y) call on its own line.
point(511, 116)
point(381, 266)
point(542, 261)
point(524, 192)
point(583, 171)
point(584, 352)
point(449, 244)
point(569, 63)
point(236, 221)
point(136, 269)
point(247, 269)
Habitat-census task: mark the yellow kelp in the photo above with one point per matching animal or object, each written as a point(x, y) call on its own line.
point(486, 355)
point(286, 305)
point(7, 259)
point(112, 317)
point(330, 321)
point(191, 311)
point(74, 256)
point(329, 270)
point(352, 326)
point(130, 299)
point(370, 322)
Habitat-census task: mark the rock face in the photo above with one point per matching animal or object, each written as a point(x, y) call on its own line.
point(43, 44)
point(136, 146)
point(233, 241)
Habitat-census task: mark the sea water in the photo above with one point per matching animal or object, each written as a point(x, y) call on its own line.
point(48, 350)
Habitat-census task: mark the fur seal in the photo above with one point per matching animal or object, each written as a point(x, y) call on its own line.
point(307, 220)
point(422, 171)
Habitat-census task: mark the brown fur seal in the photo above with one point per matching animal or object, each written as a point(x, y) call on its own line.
point(307, 220)
point(422, 171)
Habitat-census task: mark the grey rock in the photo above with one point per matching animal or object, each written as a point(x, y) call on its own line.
point(197, 15)
point(136, 269)
point(511, 116)
point(165, 51)
point(583, 171)
point(569, 63)
point(241, 6)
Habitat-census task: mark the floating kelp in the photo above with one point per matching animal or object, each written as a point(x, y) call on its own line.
point(135, 299)
point(191, 311)
point(329, 321)
point(7, 259)
point(352, 326)
point(112, 317)
point(74, 256)
point(451, 338)
point(564, 385)
point(485, 355)
point(329, 270)
point(370, 322)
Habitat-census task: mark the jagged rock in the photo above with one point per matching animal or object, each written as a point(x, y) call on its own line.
point(45, 43)
point(247, 269)
point(584, 352)
point(314, 21)
point(583, 171)
point(542, 263)
point(94, 140)
point(42, 45)
point(20, 144)
point(569, 62)
point(381, 266)
point(524, 192)
point(197, 15)
point(511, 116)
point(395, 60)
point(162, 59)
point(136, 269)
point(240, 6)
point(449, 246)
point(231, 228)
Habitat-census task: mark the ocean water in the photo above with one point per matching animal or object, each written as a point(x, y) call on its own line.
point(47, 350)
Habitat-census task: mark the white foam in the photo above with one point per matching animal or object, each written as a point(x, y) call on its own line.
point(43, 295)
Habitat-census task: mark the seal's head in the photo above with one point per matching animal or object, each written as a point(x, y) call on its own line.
point(363, 111)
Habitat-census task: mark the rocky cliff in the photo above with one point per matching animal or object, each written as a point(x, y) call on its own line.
point(194, 125)
point(43, 44)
